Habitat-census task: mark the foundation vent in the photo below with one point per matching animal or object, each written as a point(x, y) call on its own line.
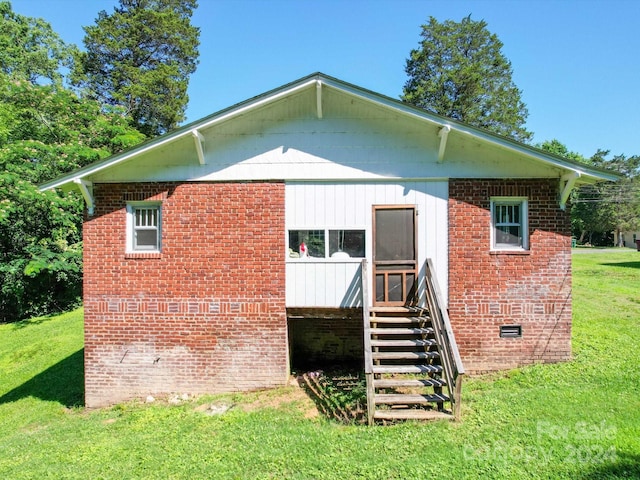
point(510, 331)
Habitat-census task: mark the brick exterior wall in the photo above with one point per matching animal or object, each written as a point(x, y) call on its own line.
point(489, 289)
point(207, 314)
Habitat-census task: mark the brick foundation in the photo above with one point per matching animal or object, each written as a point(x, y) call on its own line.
point(205, 315)
point(489, 289)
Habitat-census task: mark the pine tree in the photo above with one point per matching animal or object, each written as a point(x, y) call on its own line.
point(459, 71)
point(140, 58)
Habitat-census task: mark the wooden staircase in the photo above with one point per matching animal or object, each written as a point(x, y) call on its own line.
point(412, 365)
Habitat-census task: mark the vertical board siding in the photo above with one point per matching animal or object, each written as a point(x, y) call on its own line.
point(329, 205)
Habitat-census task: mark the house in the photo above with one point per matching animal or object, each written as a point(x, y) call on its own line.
point(626, 239)
point(217, 255)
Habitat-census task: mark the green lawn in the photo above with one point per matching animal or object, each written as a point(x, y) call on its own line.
point(579, 419)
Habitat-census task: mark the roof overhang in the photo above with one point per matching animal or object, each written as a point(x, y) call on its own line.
point(571, 173)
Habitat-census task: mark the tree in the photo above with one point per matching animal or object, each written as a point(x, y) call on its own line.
point(140, 58)
point(597, 210)
point(459, 71)
point(40, 250)
point(618, 202)
point(45, 131)
point(30, 49)
point(558, 148)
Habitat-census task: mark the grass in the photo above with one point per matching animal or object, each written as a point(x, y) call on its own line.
point(579, 419)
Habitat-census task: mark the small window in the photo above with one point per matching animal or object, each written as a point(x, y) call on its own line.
point(327, 243)
point(306, 243)
point(509, 224)
point(144, 227)
point(346, 243)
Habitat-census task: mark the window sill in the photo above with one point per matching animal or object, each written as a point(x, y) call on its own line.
point(510, 252)
point(143, 255)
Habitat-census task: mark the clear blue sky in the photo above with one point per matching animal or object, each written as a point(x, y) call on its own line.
point(576, 61)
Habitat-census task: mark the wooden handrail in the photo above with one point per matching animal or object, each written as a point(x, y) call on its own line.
point(450, 355)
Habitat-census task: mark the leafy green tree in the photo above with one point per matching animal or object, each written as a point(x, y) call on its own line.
point(620, 200)
point(459, 71)
point(30, 49)
point(558, 148)
point(591, 215)
point(597, 210)
point(40, 249)
point(140, 58)
point(45, 131)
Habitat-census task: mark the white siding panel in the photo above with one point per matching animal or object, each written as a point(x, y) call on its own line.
point(355, 140)
point(308, 285)
point(311, 205)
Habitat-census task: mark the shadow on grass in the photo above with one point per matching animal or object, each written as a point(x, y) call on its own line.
point(622, 264)
point(625, 465)
point(62, 382)
point(29, 322)
point(337, 396)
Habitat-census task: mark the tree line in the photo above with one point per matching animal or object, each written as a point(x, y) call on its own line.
point(62, 107)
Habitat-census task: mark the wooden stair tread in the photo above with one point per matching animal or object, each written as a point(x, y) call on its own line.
point(407, 369)
point(401, 331)
point(411, 414)
point(427, 342)
point(396, 309)
point(409, 398)
point(403, 319)
point(404, 355)
point(410, 375)
point(408, 382)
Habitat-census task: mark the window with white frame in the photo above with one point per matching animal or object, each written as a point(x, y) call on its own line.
point(144, 222)
point(327, 243)
point(509, 227)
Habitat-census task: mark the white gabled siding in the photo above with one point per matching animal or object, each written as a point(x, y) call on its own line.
point(348, 205)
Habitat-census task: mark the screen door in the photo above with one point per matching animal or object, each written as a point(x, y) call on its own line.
point(395, 264)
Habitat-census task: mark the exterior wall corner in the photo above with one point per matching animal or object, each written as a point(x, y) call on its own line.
point(490, 289)
point(207, 314)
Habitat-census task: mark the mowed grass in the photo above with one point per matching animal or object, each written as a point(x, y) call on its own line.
point(579, 419)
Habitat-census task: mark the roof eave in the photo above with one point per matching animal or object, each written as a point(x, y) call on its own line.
point(531, 152)
point(587, 174)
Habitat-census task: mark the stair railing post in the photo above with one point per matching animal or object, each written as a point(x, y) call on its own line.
point(368, 360)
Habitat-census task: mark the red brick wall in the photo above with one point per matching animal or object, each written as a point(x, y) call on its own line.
point(205, 315)
point(489, 289)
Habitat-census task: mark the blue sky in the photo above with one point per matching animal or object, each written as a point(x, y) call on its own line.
point(576, 61)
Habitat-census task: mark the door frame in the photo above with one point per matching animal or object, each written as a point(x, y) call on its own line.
point(411, 266)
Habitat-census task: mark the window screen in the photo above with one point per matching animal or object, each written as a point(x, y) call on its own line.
point(145, 229)
point(509, 223)
point(395, 234)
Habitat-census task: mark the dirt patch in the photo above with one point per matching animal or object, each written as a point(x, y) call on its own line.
point(339, 395)
point(291, 397)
